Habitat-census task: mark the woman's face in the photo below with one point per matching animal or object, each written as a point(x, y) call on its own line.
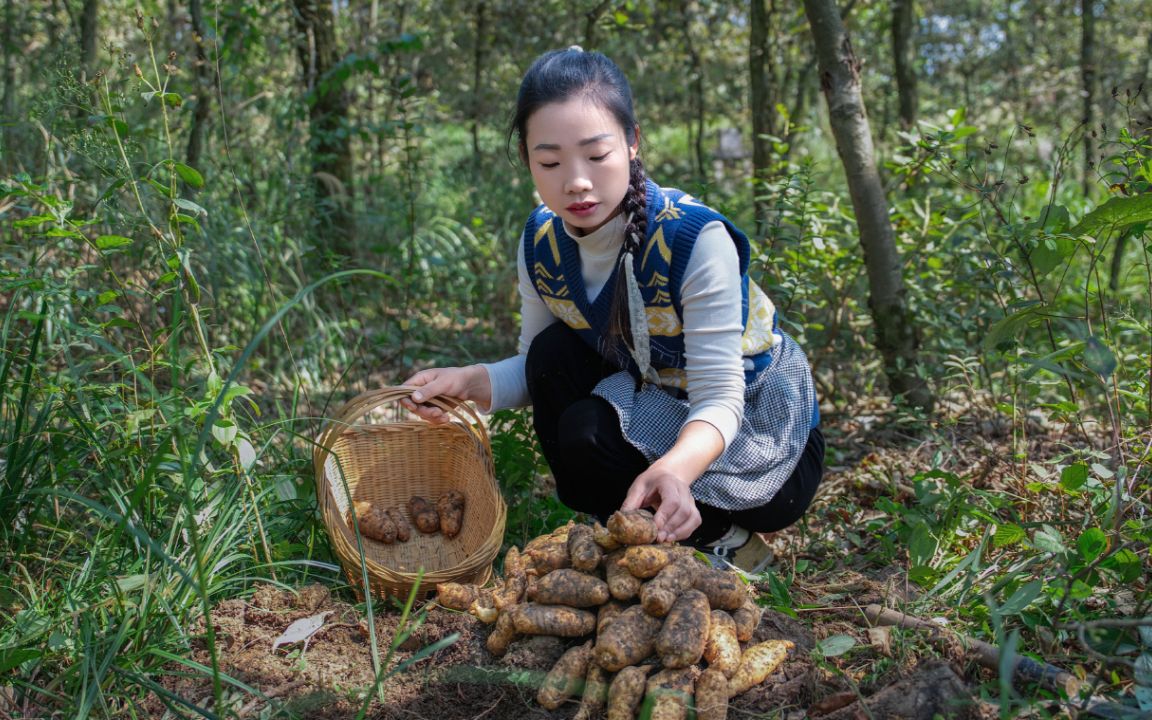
point(579, 158)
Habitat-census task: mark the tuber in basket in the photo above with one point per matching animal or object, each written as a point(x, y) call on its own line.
point(387, 463)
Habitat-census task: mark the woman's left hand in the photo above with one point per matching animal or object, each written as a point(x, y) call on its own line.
point(671, 496)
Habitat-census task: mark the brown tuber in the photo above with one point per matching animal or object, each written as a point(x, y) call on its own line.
point(502, 635)
point(569, 587)
point(757, 663)
point(622, 584)
point(627, 640)
point(723, 649)
point(583, 552)
point(646, 561)
point(513, 562)
point(456, 596)
point(566, 676)
point(608, 612)
point(626, 691)
point(484, 607)
point(671, 691)
point(658, 594)
point(595, 693)
point(724, 589)
point(373, 522)
point(533, 619)
point(545, 557)
point(711, 695)
point(604, 538)
point(450, 507)
point(403, 527)
point(424, 514)
point(684, 635)
point(747, 618)
point(512, 592)
point(633, 527)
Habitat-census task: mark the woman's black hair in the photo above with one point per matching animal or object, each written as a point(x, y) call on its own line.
point(560, 75)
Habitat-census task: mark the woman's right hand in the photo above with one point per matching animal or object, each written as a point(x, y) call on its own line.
point(463, 383)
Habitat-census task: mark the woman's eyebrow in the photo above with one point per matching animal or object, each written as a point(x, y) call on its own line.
point(582, 143)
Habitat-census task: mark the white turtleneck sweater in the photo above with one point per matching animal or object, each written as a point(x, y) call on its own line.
point(710, 299)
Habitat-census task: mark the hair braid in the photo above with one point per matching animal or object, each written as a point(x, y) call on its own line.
point(635, 207)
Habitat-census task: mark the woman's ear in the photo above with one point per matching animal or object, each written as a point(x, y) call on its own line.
point(635, 146)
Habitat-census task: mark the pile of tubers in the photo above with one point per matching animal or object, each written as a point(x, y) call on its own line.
point(662, 624)
point(389, 525)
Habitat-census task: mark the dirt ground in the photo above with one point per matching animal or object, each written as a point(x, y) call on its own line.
point(887, 674)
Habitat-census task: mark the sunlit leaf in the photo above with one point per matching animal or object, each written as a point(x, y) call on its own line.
point(190, 206)
point(834, 645)
point(1008, 534)
point(189, 175)
point(1073, 477)
point(225, 431)
point(1116, 213)
point(33, 221)
point(108, 242)
point(1124, 563)
point(1091, 543)
point(61, 232)
point(246, 453)
point(1049, 539)
point(130, 583)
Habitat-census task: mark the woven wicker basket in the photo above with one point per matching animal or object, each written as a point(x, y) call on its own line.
point(390, 461)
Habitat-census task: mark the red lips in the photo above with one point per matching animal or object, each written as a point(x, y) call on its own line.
point(577, 207)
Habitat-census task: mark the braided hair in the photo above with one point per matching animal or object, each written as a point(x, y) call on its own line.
point(635, 207)
point(559, 75)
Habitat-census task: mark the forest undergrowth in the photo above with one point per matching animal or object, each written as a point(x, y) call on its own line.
point(172, 339)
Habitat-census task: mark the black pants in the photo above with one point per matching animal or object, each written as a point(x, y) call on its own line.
point(594, 465)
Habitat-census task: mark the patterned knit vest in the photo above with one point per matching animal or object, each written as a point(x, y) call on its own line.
point(674, 223)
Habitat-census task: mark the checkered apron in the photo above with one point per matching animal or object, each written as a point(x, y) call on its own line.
point(778, 405)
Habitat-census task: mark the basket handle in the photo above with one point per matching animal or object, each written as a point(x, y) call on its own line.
point(360, 405)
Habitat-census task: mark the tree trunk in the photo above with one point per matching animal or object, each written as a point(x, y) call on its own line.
point(1146, 82)
point(762, 102)
point(804, 91)
point(88, 25)
point(8, 101)
point(327, 116)
point(1088, 78)
point(896, 335)
point(477, 77)
point(903, 27)
point(696, 73)
point(1117, 268)
point(203, 75)
point(591, 18)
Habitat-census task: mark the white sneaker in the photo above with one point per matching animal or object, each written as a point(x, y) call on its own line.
point(741, 550)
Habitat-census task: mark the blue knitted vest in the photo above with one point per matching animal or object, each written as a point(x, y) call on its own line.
point(674, 223)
